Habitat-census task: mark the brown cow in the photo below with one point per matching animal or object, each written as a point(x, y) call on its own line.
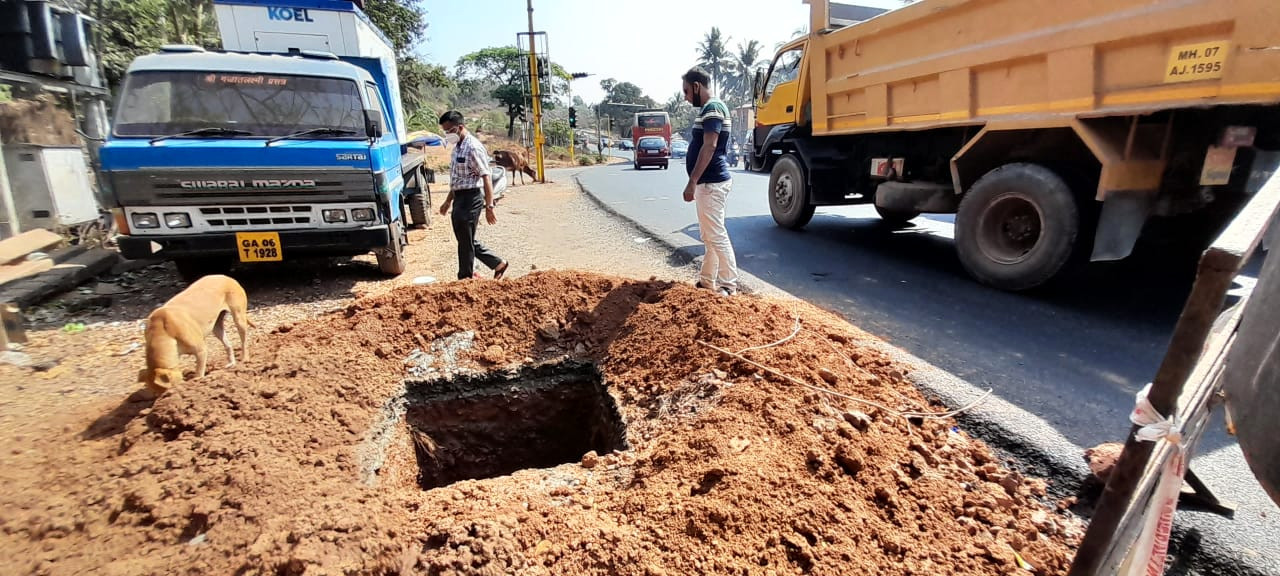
point(514, 160)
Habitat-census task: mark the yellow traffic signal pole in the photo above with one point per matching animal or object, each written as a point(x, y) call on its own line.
point(538, 138)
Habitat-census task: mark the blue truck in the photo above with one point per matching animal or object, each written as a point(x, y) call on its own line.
point(290, 142)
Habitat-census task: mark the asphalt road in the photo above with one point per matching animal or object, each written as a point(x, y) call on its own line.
point(1073, 355)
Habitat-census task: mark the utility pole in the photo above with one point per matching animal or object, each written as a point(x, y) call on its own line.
point(537, 98)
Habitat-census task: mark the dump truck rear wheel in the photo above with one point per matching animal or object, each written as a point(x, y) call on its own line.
point(1017, 227)
point(789, 194)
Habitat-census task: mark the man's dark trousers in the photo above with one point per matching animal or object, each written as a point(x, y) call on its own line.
point(467, 207)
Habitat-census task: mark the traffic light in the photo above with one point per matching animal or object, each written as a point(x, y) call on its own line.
point(573, 117)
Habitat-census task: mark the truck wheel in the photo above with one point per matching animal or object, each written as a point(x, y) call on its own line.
point(1017, 227)
point(192, 269)
point(896, 217)
point(391, 259)
point(788, 194)
point(420, 209)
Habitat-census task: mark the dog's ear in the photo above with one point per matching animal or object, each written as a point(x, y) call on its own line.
point(164, 377)
point(143, 373)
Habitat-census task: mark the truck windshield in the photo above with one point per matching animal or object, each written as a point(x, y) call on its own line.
point(158, 103)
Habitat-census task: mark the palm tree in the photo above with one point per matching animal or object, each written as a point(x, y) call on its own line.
point(746, 62)
point(714, 56)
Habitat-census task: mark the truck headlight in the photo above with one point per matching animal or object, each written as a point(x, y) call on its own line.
point(177, 220)
point(146, 220)
point(334, 215)
point(362, 214)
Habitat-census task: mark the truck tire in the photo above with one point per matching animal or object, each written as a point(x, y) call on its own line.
point(192, 269)
point(1017, 227)
point(896, 217)
point(420, 209)
point(391, 260)
point(788, 194)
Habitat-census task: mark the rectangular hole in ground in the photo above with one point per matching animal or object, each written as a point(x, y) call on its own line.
point(483, 426)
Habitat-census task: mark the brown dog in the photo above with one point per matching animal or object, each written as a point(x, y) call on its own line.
point(180, 326)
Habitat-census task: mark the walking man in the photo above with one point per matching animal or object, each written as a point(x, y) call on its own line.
point(709, 182)
point(471, 190)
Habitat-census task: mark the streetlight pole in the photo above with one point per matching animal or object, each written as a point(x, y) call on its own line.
point(537, 98)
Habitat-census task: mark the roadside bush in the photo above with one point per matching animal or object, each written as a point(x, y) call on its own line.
point(586, 161)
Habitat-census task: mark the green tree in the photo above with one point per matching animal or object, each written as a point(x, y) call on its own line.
point(403, 21)
point(615, 93)
point(131, 28)
point(505, 68)
point(746, 61)
point(714, 56)
point(680, 111)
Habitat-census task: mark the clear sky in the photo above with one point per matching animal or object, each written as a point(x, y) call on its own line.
point(648, 43)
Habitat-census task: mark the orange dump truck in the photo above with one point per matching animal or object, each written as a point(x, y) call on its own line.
point(1056, 131)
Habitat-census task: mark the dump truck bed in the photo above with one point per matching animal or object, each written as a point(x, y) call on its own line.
point(1021, 62)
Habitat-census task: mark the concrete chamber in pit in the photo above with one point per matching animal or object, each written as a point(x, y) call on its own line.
point(488, 425)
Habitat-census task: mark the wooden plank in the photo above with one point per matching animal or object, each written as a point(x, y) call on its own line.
point(1218, 267)
point(12, 272)
point(27, 242)
point(61, 278)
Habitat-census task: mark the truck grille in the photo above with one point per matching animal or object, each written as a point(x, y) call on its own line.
point(232, 216)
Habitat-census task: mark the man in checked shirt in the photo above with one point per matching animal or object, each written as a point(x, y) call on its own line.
point(468, 172)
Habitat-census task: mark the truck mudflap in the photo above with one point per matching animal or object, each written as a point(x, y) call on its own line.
point(293, 243)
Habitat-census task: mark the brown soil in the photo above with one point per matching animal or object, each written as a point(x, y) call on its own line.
point(37, 120)
point(297, 462)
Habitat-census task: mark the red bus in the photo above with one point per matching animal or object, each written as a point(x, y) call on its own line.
point(650, 124)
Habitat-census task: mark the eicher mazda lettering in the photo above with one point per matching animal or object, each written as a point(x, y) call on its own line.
point(234, 184)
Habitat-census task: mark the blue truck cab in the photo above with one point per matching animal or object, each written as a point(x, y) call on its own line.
point(271, 150)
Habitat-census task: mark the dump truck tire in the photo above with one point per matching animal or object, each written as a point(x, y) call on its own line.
point(788, 194)
point(1017, 227)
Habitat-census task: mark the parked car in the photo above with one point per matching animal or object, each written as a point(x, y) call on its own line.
point(652, 151)
point(679, 149)
point(624, 145)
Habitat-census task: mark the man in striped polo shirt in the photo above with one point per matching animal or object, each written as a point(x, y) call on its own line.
point(709, 182)
point(468, 171)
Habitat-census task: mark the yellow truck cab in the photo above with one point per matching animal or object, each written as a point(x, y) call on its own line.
point(1054, 134)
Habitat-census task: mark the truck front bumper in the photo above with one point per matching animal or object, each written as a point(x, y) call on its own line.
point(352, 242)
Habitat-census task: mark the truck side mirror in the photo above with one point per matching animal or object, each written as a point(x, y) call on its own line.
point(755, 87)
point(373, 123)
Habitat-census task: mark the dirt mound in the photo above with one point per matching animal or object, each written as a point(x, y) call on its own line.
point(37, 120)
point(312, 456)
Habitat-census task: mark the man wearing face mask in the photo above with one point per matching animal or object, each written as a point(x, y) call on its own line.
point(709, 182)
point(471, 189)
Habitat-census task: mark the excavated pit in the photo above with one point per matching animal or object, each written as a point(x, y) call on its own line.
point(473, 427)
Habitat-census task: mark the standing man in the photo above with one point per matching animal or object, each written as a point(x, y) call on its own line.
point(471, 188)
point(709, 182)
